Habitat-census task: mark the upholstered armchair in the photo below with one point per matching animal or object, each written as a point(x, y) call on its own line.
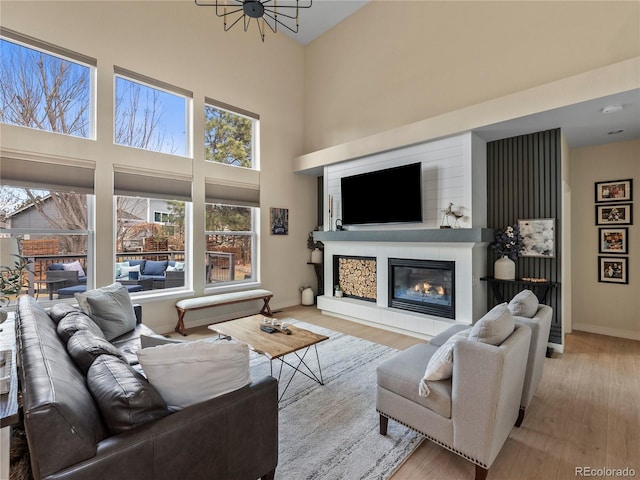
point(473, 407)
point(526, 310)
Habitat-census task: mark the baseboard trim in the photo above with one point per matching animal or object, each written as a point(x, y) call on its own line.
point(611, 332)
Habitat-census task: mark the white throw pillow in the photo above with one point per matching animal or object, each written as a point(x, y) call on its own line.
point(440, 366)
point(192, 372)
point(110, 308)
point(74, 267)
point(524, 304)
point(119, 266)
point(124, 270)
point(494, 327)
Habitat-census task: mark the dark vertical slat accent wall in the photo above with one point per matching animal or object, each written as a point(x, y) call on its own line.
point(524, 181)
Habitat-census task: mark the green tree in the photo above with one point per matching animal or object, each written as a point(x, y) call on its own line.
point(227, 137)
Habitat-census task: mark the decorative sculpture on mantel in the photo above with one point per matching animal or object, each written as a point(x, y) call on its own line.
point(449, 213)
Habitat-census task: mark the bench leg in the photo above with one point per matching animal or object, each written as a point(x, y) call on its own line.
point(266, 310)
point(180, 325)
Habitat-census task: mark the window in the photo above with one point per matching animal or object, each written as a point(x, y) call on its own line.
point(229, 137)
point(231, 244)
point(43, 90)
point(156, 248)
point(161, 217)
point(150, 117)
point(52, 229)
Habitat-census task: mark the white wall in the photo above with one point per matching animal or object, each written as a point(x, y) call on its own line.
point(184, 45)
point(606, 308)
point(453, 171)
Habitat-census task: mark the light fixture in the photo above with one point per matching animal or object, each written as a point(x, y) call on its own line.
point(264, 12)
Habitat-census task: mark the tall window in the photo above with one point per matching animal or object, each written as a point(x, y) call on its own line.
point(229, 137)
point(150, 117)
point(42, 90)
point(53, 230)
point(153, 251)
point(231, 244)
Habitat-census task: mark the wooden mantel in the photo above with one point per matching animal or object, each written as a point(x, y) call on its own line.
point(427, 235)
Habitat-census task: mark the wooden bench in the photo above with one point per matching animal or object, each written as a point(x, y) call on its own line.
point(209, 301)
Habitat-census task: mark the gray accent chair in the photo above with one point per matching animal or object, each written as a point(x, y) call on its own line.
point(471, 413)
point(540, 325)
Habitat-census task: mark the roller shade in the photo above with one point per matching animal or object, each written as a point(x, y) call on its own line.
point(166, 186)
point(47, 175)
point(217, 191)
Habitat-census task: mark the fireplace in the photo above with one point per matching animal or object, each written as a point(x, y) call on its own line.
point(422, 286)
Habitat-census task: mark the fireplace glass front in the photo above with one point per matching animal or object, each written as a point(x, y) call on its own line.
point(422, 286)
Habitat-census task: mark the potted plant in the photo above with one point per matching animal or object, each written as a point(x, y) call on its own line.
point(507, 244)
point(338, 291)
point(12, 281)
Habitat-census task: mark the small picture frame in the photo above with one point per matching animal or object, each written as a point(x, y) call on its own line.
point(613, 240)
point(279, 221)
point(613, 270)
point(614, 191)
point(618, 214)
point(538, 237)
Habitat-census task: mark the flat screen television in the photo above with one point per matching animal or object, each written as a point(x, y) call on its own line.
point(392, 195)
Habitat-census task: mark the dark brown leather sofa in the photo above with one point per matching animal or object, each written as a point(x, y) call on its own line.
point(234, 436)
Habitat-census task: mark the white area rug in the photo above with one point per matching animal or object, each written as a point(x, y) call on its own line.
point(330, 432)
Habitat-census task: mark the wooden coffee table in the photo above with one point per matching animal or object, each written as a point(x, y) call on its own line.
point(276, 345)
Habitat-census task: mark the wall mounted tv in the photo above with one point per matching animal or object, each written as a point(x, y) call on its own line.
point(392, 195)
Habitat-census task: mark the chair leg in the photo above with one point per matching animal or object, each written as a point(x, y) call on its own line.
point(481, 473)
point(384, 423)
point(520, 417)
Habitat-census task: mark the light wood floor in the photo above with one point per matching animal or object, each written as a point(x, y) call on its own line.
point(586, 411)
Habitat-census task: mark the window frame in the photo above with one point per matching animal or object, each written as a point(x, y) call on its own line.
point(161, 86)
point(66, 55)
point(255, 129)
point(252, 234)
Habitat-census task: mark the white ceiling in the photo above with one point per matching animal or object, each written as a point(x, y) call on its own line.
point(583, 124)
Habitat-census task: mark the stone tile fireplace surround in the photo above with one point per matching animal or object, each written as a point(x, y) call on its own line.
point(466, 247)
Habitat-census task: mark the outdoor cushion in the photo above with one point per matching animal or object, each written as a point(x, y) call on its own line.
point(152, 267)
point(56, 266)
point(119, 265)
point(133, 263)
point(190, 372)
point(524, 304)
point(124, 271)
point(74, 267)
point(494, 327)
point(110, 308)
point(124, 397)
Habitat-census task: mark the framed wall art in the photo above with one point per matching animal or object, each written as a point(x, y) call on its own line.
point(538, 237)
point(613, 240)
point(279, 221)
point(614, 191)
point(613, 270)
point(620, 214)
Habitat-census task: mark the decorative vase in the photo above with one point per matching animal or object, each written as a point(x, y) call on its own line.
point(338, 293)
point(504, 269)
point(316, 256)
point(307, 296)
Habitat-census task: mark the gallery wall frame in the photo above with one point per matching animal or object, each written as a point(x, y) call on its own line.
point(613, 270)
point(616, 214)
point(279, 221)
point(614, 240)
point(614, 191)
point(538, 237)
